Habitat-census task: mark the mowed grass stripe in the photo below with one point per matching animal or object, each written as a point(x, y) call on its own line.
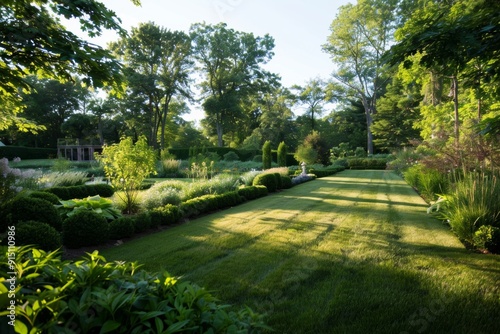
point(351, 253)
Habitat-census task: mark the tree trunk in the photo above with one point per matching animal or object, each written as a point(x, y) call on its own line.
point(454, 87)
point(220, 142)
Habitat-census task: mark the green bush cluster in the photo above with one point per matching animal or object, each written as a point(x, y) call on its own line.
point(92, 295)
point(326, 171)
point(46, 196)
point(24, 208)
point(253, 192)
point(487, 237)
point(65, 193)
point(165, 215)
point(40, 235)
point(367, 163)
point(268, 180)
point(208, 203)
point(121, 228)
point(85, 228)
point(428, 182)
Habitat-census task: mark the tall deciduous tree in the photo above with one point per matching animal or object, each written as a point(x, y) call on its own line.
point(459, 39)
point(231, 63)
point(157, 64)
point(313, 96)
point(51, 103)
point(33, 41)
point(360, 34)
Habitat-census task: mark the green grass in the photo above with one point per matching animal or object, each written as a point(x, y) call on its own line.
point(351, 253)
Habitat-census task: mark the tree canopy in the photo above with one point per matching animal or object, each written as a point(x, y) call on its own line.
point(34, 41)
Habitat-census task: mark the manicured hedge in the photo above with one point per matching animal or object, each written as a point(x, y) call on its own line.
point(65, 193)
point(25, 153)
point(367, 163)
point(253, 192)
point(323, 172)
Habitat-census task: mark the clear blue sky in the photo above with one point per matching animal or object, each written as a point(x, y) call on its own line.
point(299, 28)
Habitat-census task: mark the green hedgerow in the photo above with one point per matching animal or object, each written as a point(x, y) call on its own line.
point(85, 228)
point(142, 222)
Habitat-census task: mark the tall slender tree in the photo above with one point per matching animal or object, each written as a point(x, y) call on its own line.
point(360, 34)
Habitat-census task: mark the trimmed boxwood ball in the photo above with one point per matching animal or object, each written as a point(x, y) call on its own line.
point(142, 222)
point(121, 228)
point(268, 180)
point(28, 208)
point(38, 234)
point(85, 228)
point(49, 197)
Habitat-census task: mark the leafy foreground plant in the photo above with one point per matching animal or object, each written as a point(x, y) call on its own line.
point(102, 206)
point(92, 295)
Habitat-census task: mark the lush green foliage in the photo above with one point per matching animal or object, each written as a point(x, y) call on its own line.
point(121, 228)
point(39, 235)
point(266, 179)
point(89, 295)
point(62, 179)
point(487, 237)
point(24, 208)
point(127, 164)
point(162, 193)
point(367, 163)
point(97, 204)
point(142, 221)
point(282, 154)
point(165, 215)
point(266, 155)
point(84, 228)
point(253, 192)
point(472, 203)
point(46, 196)
point(65, 193)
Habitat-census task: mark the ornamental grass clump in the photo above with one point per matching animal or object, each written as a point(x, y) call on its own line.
point(472, 203)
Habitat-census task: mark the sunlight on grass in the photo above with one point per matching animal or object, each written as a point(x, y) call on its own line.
point(351, 253)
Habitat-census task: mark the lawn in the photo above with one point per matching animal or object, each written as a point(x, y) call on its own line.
point(351, 253)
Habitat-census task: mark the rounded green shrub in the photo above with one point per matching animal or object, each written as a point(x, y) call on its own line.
point(268, 180)
point(286, 182)
point(45, 196)
point(231, 156)
point(488, 237)
point(121, 228)
point(165, 215)
point(279, 184)
point(85, 228)
point(142, 222)
point(24, 208)
point(40, 235)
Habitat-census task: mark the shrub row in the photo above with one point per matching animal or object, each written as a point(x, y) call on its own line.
point(209, 203)
point(25, 153)
point(65, 193)
point(110, 297)
point(323, 172)
point(367, 163)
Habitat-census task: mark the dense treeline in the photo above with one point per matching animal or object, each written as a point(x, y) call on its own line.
point(403, 74)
